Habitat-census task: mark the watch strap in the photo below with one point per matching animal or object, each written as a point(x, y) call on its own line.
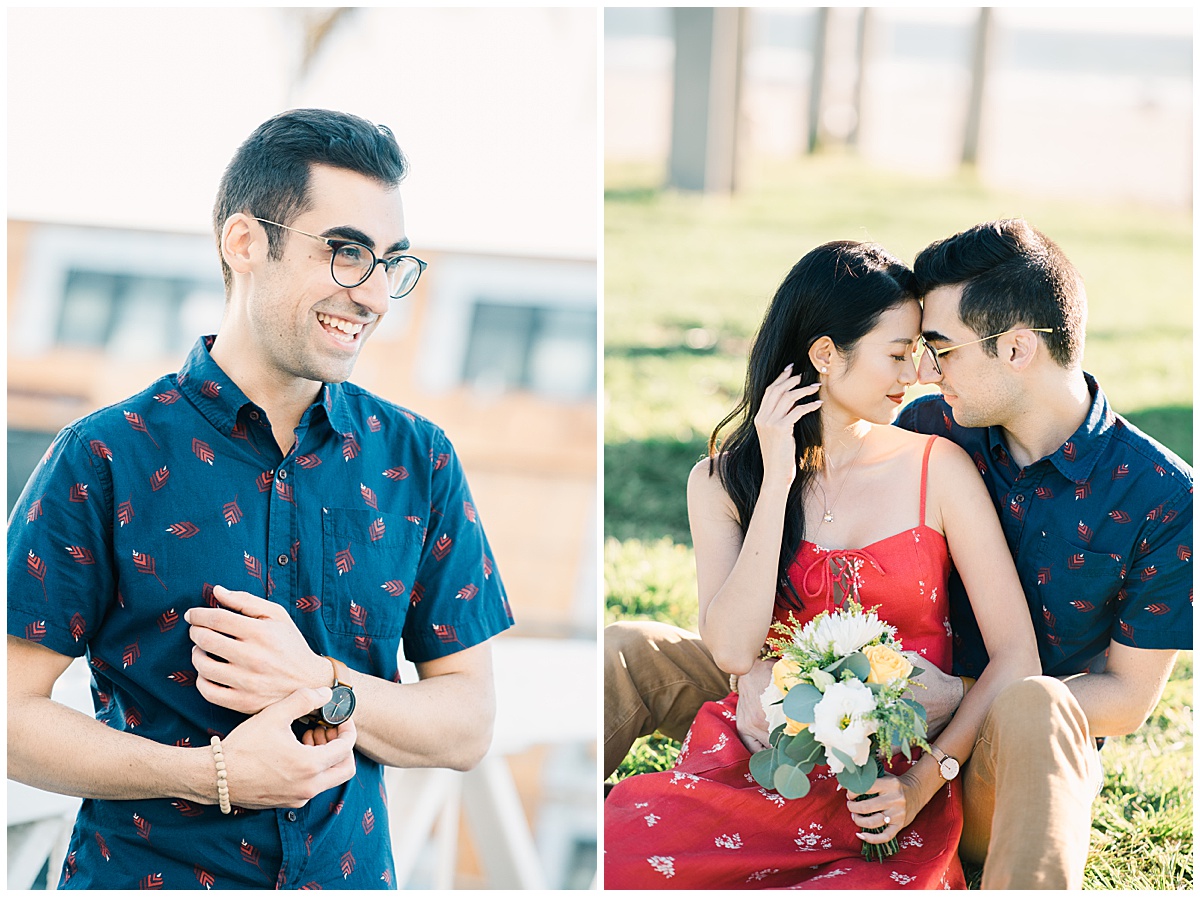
point(941, 757)
point(339, 672)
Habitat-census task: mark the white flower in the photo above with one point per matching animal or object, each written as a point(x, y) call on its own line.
point(840, 721)
point(843, 633)
point(772, 704)
point(821, 680)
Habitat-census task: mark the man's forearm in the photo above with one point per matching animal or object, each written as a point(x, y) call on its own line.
point(441, 721)
point(445, 719)
point(55, 748)
point(1118, 700)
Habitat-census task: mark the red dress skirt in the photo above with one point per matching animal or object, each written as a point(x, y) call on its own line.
point(708, 824)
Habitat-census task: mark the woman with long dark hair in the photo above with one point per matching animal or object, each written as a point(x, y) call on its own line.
point(810, 496)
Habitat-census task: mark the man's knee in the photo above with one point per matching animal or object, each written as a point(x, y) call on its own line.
point(1034, 697)
point(1037, 710)
point(637, 642)
point(628, 636)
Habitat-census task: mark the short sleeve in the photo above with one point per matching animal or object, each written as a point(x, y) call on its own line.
point(1155, 601)
point(60, 572)
point(925, 414)
point(458, 599)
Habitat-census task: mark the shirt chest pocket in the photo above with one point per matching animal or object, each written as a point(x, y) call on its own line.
point(1076, 585)
point(369, 560)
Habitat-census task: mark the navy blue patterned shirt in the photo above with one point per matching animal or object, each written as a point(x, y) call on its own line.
point(366, 532)
point(1101, 533)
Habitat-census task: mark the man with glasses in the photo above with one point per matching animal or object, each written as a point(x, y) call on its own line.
point(1098, 517)
point(240, 549)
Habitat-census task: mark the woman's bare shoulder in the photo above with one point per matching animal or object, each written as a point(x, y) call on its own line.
point(705, 489)
point(705, 474)
point(944, 451)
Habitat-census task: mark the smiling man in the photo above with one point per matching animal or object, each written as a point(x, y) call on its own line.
point(239, 551)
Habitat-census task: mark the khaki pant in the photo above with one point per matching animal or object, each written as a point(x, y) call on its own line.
point(655, 679)
point(1034, 751)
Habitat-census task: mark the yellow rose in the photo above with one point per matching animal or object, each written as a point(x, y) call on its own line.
point(785, 674)
point(886, 664)
point(793, 727)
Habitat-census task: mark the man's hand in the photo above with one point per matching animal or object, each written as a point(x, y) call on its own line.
point(941, 695)
point(250, 655)
point(751, 720)
point(266, 767)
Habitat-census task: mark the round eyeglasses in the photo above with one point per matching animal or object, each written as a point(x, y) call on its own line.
point(935, 354)
point(352, 263)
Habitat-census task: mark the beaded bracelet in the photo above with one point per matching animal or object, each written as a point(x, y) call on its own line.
point(222, 781)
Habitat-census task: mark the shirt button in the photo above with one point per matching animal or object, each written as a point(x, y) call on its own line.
point(253, 415)
point(283, 474)
point(1020, 498)
point(282, 560)
point(291, 816)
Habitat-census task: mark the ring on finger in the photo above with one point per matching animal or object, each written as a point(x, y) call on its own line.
point(887, 820)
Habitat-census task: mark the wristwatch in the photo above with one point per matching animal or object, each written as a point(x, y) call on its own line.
point(341, 704)
point(947, 765)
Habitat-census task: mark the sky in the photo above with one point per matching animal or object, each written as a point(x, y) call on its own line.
point(127, 117)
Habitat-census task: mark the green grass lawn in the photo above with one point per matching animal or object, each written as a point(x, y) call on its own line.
point(687, 279)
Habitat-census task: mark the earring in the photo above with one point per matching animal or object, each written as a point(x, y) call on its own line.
point(824, 370)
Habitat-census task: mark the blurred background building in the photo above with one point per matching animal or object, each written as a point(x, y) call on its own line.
point(120, 122)
point(1074, 102)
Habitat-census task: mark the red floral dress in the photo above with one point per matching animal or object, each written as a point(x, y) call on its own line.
point(708, 824)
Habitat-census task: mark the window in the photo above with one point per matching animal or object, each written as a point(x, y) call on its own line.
point(498, 325)
point(132, 294)
point(550, 351)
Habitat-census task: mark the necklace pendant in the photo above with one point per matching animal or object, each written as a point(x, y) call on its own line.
point(828, 518)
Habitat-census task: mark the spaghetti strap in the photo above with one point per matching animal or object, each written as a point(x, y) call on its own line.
point(925, 475)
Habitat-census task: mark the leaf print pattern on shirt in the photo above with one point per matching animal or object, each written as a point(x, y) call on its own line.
point(151, 480)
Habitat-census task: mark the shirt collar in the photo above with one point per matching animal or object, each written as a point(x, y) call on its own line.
point(337, 409)
point(1076, 458)
point(220, 400)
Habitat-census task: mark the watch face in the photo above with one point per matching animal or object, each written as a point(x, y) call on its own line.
point(340, 706)
point(949, 768)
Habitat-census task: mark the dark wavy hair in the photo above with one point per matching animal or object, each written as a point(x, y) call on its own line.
point(1013, 276)
point(268, 175)
point(838, 290)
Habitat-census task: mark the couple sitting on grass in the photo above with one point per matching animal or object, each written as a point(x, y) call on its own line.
point(1029, 546)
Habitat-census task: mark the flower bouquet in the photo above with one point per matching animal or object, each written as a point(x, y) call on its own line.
point(837, 700)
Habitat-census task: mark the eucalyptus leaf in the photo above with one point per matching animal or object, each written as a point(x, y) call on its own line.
point(806, 749)
point(791, 783)
point(762, 766)
point(844, 758)
point(918, 708)
point(856, 663)
point(859, 779)
point(776, 734)
point(800, 701)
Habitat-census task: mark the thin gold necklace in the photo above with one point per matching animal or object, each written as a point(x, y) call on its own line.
point(828, 516)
